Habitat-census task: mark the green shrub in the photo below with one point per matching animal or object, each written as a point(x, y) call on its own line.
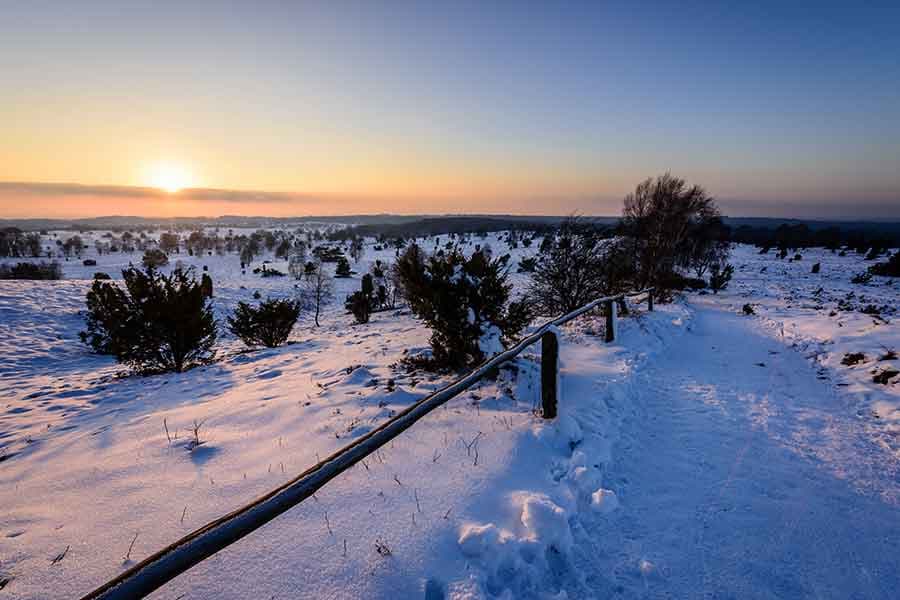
point(464, 301)
point(362, 302)
point(157, 323)
point(268, 324)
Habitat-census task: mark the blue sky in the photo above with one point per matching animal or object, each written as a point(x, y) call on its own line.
point(777, 108)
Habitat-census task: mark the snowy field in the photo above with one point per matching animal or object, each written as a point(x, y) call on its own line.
point(704, 452)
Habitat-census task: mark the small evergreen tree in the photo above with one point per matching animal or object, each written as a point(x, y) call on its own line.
point(267, 325)
point(343, 268)
point(464, 301)
point(156, 323)
point(361, 303)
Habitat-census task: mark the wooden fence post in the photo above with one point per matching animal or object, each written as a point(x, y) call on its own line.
point(549, 375)
point(650, 300)
point(610, 320)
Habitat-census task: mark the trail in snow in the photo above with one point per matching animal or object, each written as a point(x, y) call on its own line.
point(743, 475)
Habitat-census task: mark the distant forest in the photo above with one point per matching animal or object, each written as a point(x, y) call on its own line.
point(763, 232)
point(759, 232)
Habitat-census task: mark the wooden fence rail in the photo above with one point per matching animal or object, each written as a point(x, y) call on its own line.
point(163, 566)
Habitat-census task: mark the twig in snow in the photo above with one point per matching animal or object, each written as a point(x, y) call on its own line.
point(382, 548)
point(166, 426)
point(196, 431)
point(60, 556)
point(435, 456)
point(345, 547)
point(184, 512)
point(416, 494)
point(130, 547)
point(398, 481)
point(447, 514)
point(328, 524)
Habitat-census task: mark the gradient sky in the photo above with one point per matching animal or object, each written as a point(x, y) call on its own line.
point(294, 108)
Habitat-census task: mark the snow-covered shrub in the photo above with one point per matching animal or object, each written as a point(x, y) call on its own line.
point(268, 324)
point(156, 323)
point(465, 301)
point(154, 259)
point(27, 270)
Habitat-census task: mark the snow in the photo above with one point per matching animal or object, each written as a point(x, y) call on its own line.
point(704, 452)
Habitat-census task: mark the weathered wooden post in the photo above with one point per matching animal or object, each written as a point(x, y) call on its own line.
point(549, 374)
point(650, 299)
point(610, 320)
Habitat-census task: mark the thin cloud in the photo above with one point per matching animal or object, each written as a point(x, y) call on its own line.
point(44, 190)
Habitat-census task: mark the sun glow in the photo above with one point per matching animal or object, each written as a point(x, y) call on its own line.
point(169, 177)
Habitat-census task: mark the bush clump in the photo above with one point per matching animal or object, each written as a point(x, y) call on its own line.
point(28, 270)
point(719, 277)
point(862, 278)
point(361, 303)
point(465, 301)
point(156, 323)
point(268, 324)
point(343, 268)
point(891, 268)
point(153, 259)
point(576, 266)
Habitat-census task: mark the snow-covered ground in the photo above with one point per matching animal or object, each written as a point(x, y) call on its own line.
point(825, 317)
point(703, 453)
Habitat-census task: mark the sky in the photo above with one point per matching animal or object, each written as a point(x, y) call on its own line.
point(298, 108)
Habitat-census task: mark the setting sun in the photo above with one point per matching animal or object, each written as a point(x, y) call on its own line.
point(169, 177)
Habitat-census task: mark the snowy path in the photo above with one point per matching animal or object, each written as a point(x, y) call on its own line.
point(742, 474)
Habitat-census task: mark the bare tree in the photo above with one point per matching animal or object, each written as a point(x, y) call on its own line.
point(317, 288)
point(658, 218)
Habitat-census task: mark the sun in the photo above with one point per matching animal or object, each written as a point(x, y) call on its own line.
point(170, 177)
